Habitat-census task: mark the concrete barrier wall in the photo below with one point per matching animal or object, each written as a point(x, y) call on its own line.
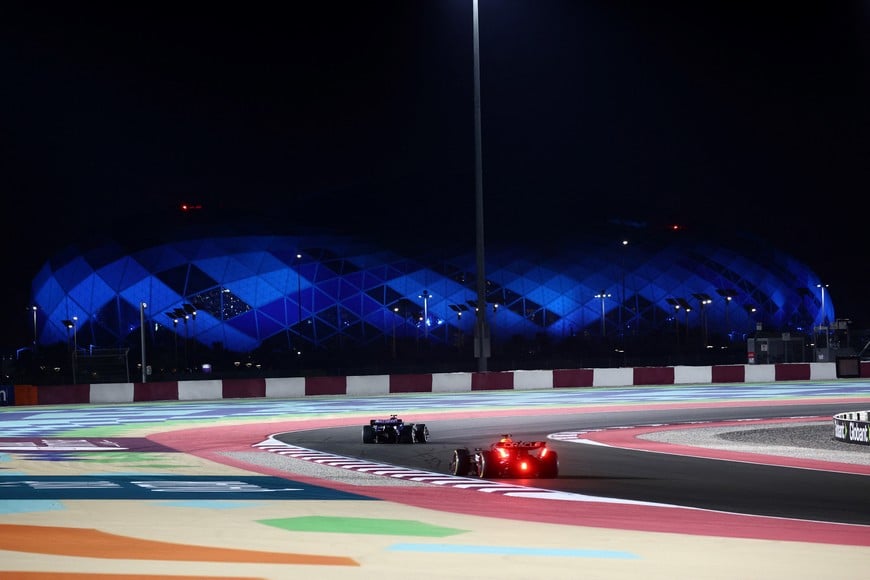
point(368, 385)
point(160, 391)
point(112, 393)
point(243, 388)
point(728, 374)
point(499, 381)
point(826, 371)
point(612, 377)
point(791, 372)
point(451, 383)
point(652, 376)
point(693, 375)
point(529, 380)
point(570, 378)
point(379, 385)
point(759, 373)
point(289, 388)
point(200, 390)
point(316, 386)
point(410, 383)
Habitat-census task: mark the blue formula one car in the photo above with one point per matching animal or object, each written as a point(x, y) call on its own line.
point(507, 458)
point(394, 430)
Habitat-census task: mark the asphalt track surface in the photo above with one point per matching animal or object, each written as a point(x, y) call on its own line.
point(828, 493)
point(274, 489)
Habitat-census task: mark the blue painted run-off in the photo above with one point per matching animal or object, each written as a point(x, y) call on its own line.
point(158, 487)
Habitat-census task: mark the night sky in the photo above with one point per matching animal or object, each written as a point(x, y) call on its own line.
point(359, 116)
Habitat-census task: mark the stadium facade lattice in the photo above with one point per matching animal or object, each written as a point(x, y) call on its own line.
point(240, 293)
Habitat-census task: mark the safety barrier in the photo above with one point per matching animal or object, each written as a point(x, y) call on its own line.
point(853, 427)
point(374, 385)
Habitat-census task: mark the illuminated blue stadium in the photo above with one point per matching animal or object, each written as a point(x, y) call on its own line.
point(240, 293)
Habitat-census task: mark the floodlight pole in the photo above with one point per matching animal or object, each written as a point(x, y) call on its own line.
point(601, 296)
point(727, 322)
point(481, 330)
point(142, 307)
point(395, 314)
point(824, 314)
point(299, 292)
point(824, 323)
point(75, 352)
point(425, 296)
point(35, 340)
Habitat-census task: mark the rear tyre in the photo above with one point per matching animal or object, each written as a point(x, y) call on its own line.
point(550, 465)
point(487, 466)
point(421, 433)
point(460, 464)
point(406, 435)
point(368, 434)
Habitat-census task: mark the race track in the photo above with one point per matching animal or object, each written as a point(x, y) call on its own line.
point(208, 489)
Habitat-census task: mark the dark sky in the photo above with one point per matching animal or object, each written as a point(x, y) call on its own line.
point(743, 115)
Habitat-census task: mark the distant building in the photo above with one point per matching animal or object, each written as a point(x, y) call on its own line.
point(240, 293)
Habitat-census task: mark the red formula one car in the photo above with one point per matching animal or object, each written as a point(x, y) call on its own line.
point(507, 458)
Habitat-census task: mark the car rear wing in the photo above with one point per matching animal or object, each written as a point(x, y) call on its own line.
point(522, 444)
point(390, 421)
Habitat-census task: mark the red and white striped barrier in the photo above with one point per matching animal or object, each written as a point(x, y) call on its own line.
point(293, 387)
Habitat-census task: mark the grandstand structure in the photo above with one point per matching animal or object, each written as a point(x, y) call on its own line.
point(321, 292)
